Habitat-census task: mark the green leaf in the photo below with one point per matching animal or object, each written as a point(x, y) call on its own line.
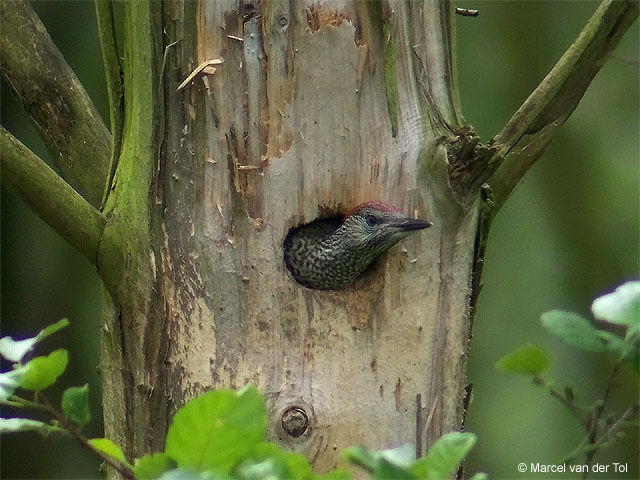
point(444, 456)
point(393, 463)
point(265, 469)
point(358, 455)
point(335, 474)
point(75, 404)
point(216, 430)
point(385, 470)
point(633, 358)
point(479, 476)
point(628, 350)
point(527, 359)
point(42, 372)
point(621, 307)
point(402, 456)
point(268, 460)
point(614, 344)
point(182, 474)
point(51, 329)
point(152, 466)
point(12, 425)
point(574, 330)
point(15, 350)
point(9, 381)
point(107, 447)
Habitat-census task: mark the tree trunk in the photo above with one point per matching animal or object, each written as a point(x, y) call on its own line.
point(241, 121)
point(315, 109)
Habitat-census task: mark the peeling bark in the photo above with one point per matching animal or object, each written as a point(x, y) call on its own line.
point(296, 123)
point(256, 117)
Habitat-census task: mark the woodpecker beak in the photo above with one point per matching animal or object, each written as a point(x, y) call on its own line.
point(410, 224)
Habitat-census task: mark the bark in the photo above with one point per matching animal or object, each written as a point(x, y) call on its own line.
point(260, 145)
point(115, 88)
point(245, 119)
point(268, 141)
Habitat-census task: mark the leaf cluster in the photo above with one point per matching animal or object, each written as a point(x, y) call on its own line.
point(34, 375)
point(619, 310)
point(220, 434)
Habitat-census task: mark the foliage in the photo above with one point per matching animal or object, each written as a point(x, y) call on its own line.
point(75, 405)
point(38, 374)
point(620, 310)
point(220, 434)
point(526, 359)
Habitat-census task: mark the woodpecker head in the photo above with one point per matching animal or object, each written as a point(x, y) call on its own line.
point(331, 254)
point(374, 227)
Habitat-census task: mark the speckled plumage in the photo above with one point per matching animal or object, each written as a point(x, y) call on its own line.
point(331, 254)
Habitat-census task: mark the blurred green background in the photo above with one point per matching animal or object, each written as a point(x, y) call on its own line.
point(569, 233)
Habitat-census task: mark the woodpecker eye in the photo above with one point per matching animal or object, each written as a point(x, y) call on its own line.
point(371, 220)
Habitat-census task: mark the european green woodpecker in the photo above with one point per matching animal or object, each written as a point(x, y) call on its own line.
point(332, 253)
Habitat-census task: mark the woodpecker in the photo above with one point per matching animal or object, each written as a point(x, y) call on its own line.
point(329, 254)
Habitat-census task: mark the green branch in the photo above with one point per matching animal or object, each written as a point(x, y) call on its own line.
point(125, 245)
point(113, 76)
point(54, 98)
point(49, 196)
point(534, 124)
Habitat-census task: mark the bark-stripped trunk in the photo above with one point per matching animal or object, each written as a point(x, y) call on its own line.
point(318, 108)
point(290, 110)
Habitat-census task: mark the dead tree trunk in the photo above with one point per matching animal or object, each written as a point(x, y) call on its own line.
point(315, 109)
point(241, 120)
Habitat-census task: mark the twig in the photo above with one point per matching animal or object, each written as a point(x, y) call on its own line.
point(16, 401)
point(593, 434)
point(467, 12)
point(570, 405)
point(70, 428)
point(205, 67)
point(591, 444)
point(631, 411)
point(165, 55)
point(118, 466)
point(419, 425)
point(612, 376)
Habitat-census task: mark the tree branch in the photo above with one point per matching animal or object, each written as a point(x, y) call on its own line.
point(113, 76)
point(53, 96)
point(54, 200)
point(534, 124)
